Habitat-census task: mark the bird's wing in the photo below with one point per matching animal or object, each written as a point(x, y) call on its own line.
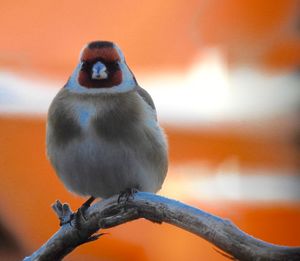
point(147, 98)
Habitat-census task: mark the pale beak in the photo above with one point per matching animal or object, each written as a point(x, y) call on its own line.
point(99, 71)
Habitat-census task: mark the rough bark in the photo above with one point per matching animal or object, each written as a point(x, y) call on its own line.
point(109, 213)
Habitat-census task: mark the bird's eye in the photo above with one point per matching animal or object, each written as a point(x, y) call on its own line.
point(84, 66)
point(115, 65)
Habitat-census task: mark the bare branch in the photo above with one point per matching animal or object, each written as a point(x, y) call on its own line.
point(108, 213)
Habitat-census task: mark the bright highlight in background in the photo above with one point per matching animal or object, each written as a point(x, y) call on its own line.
point(205, 93)
point(200, 94)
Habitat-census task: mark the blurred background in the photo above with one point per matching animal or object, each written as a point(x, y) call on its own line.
point(225, 77)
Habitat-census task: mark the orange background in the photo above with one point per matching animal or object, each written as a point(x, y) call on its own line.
point(155, 35)
point(43, 38)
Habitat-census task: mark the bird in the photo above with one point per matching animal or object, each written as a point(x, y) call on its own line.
point(102, 135)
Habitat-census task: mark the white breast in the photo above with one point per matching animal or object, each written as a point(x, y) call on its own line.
point(91, 165)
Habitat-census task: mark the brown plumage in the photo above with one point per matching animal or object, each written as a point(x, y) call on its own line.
point(105, 138)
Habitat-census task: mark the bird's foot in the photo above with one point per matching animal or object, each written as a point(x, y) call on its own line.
point(126, 195)
point(79, 216)
point(67, 216)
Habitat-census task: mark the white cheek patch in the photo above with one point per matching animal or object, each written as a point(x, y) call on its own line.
point(128, 83)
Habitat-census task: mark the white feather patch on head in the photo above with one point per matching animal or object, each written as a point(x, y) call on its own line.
point(128, 81)
point(122, 58)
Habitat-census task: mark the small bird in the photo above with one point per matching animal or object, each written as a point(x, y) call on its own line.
point(103, 136)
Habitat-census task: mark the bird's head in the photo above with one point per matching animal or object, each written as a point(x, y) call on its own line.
point(101, 69)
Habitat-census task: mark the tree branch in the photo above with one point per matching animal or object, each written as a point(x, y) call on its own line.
point(109, 213)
